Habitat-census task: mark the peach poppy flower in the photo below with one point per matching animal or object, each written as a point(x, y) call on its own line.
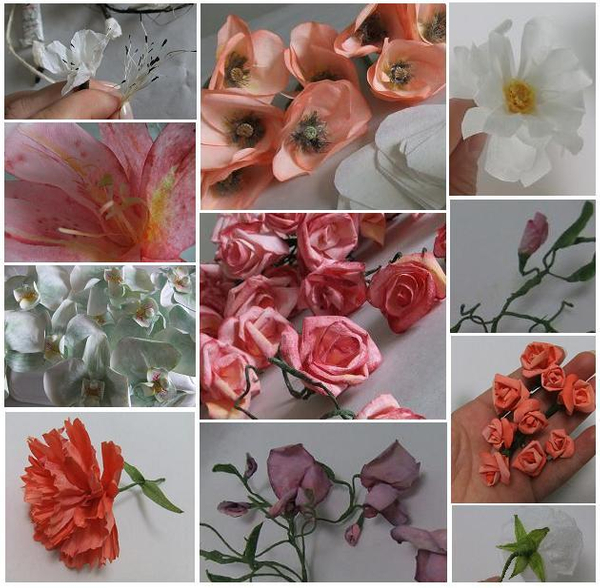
point(71, 503)
point(408, 71)
point(374, 24)
point(324, 118)
point(249, 63)
point(237, 129)
point(235, 187)
point(311, 58)
point(431, 23)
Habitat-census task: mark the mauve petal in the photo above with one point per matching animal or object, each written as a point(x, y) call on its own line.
point(283, 504)
point(286, 467)
point(381, 496)
point(431, 567)
point(169, 189)
point(316, 481)
point(434, 541)
point(395, 514)
point(395, 466)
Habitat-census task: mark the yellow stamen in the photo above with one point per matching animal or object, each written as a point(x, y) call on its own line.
point(519, 97)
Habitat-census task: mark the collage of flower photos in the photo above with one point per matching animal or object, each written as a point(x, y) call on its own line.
point(349, 336)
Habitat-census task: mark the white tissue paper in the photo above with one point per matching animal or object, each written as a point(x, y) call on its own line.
point(560, 549)
point(404, 168)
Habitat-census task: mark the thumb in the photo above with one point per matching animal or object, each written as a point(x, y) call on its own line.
point(85, 104)
point(464, 165)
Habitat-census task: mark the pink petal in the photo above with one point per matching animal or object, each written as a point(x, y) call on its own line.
point(395, 466)
point(431, 541)
point(286, 467)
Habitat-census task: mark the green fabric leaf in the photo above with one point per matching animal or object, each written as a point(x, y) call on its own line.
point(520, 532)
point(154, 493)
point(134, 473)
point(584, 273)
point(521, 564)
point(570, 235)
point(217, 578)
point(537, 565)
point(251, 544)
point(537, 536)
point(508, 546)
point(226, 468)
point(218, 557)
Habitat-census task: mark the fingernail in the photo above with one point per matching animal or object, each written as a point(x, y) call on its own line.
point(108, 85)
point(126, 111)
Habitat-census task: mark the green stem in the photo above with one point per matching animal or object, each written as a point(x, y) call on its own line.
point(234, 551)
point(157, 481)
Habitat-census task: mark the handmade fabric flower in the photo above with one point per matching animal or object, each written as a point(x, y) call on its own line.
point(494, 468)
point(530, 460)
point(431, 22)
point(234, 509)
point(256, 331)
point(577, 395)
point(352, 534)
point(374, 24)
point(324, 118)
point(249, 63)
point(439, 246)
point(326, 237)
point(500, 433)
point(311, 57)
point(508, 393)
point(298, 481)
point(210, 321)
point(331, 350)
point(223, 378)
point(529, 418)
point(523, 110)
point(275, 292)
point(158, 386)
point(431, 551)
point(79, 199)
point(406, 290)
point(237, 129)
point(408, 71)
point(538, 357)
point(337, 288)
point(70, 501)
point(78, 63)
point(559, 444)
point(386, 407)
point(27, 296)
point(387, 478)
point(553, 379)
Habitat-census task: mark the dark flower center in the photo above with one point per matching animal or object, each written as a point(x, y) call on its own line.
point(324, 75)
point(371, 31)
point(434, 31)
point(237, 75)
point(245, 130)
point(399, 73)
point(232, 183)
point(311, 134)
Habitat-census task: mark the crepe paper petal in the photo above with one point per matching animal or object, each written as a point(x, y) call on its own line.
point(169, 186)
point(386, 407)
point(24, 331)
point(433, 541)
point(131, 144)
point(53, 285)
point(184, 344)
point(431, 567)
point(577, 395)
point(286, 467)
point(539, 356)
point(234, 509)
point(494, 468)
point(133, 357)
point(559, 444)
point(395, 466)
point(530, 460)
point(79, 329)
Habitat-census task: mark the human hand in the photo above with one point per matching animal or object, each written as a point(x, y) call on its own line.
point(101, 101)
point(464, 154)
point(467, 442)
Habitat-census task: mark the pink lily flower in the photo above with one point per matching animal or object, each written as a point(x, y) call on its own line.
point(125, 198)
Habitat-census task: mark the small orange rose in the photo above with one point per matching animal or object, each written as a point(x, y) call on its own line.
point(508, 393)
point(531, 460)
point(529, 418)
point(553, 378)
point(577, 395)
point(500, 433)
point(560, 444)
point(494, 468)
point(538, 357)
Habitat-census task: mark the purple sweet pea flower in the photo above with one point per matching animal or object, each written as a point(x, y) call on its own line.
point(431, 551)
point(234, 509)
point(251, 466)
point(352, 534)
point(296, 478)
point(534, 235)
point(387, 478)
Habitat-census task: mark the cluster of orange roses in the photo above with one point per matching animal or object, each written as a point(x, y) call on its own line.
point(246, 141)
point(541, 367)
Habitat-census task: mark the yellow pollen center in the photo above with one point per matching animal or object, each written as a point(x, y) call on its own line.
point(519, 97)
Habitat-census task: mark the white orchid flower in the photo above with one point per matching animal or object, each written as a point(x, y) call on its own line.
point(522, 110)
point(27, 296)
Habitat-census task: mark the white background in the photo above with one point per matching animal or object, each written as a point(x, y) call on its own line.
point(471, 22)
point(413, 366)
point(475, 361)
point(345, 449)
point(484, 264)
point(156, 544)
point(478, 529)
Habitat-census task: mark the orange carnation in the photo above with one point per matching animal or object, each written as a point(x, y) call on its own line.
point(70, 501)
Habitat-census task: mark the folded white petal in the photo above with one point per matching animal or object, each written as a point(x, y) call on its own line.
point(536, 43)
point(474, 121)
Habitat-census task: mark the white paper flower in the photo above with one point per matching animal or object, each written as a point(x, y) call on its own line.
point(27, 296)
point(77, 63)
point(524, 109)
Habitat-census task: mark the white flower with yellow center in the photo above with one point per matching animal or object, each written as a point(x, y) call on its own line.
point(523, 110)
point(27, 296)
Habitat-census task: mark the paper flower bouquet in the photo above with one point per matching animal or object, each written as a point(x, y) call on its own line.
point(247, 141)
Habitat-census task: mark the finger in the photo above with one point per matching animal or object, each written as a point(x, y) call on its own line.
point(457, 110)
point(25, 104)
point(82, 105)
point(464, 165)
point(492, 579)
point(559, 471)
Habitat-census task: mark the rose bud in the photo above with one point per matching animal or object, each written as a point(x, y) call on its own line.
point(352, 534)
point(234, 509)
point(538, 357)
point(251, 466)
point(560, 444)
point(500, 433)
point(531, 460)
point(529, 418)
point(494, 468)
point(508, 393)
point(534, 236)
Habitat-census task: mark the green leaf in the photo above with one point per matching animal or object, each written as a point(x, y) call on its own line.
point(251, 544)
point(520, 532)
point(569, 237)
point(508, 546)
point(226, 468)
point(154, 493)
point(521, 563)
point(134, 473)
point(218, 578)
point(584, 273)
point(218, 557)
point(537, 536)
point(537, 565)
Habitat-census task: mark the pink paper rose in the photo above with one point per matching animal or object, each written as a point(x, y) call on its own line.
point(386, 407)
point(577, 395)
point(284, 223)
point(327, 237)
point(373, 226)
point(257, 332)
point(266, 292)
point(210, 321)
point(249, 63)
point(223, 378)
point(337, 288)
point(529, 418)
point(406, 290)
point(214, 286)
point(538, 357)
point(559, 444)
point(500, 433)
point(494, 468)
point(431, 551)
point(531, 460)
point(324, 118)
point(298, 481)
point(331, 350)
point(508, 393)
point(439, 246)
